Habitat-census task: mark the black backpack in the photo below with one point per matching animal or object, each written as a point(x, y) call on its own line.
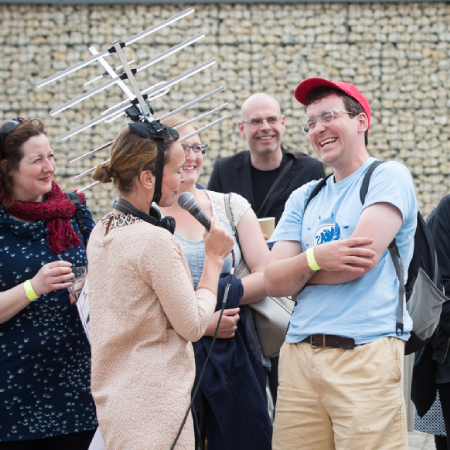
point(424, 289)
point(79, 216)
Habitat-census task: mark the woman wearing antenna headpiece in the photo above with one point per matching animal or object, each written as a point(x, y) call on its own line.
point(144, 309)
point(242, 417)
point(45, 399)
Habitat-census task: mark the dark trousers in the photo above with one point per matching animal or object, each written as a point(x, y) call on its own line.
point(72, 441)
point(272, 375)
point(444, 395)
point(440, 442)
point(206, 426)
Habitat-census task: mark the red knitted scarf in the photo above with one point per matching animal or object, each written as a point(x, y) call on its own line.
point(57, 210)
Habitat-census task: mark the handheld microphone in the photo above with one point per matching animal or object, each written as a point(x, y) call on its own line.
point(187, 201)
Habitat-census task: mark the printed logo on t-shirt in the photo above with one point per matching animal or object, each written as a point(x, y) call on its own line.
point(327, 233)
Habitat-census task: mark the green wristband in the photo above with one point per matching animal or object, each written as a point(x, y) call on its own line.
point(311, 260)
point(29, 291)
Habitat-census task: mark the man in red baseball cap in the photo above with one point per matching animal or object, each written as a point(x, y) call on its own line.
point(341, 366)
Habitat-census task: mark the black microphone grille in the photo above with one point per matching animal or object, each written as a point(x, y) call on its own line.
point(186, 200)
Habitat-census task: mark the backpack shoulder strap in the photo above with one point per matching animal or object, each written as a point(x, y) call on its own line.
point(399, 270)
point(317, 189)
point(393, 250)
point(78, 214)
point(74, 198)
point(366, 180)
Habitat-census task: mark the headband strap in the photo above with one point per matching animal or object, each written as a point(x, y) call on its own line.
point(159, 169)
point(159, 133)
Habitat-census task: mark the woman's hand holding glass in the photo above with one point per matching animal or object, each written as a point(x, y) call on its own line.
point(53, 276)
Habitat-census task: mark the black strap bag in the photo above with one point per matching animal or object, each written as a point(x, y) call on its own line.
point(79, 216)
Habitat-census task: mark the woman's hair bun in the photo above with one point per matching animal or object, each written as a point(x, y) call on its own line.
point(103, 173)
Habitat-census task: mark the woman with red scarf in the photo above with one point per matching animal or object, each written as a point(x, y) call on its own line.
point(45, 394)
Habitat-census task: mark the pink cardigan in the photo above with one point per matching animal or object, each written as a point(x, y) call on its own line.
point(144, 313)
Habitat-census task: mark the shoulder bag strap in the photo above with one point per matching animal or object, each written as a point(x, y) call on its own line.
point(242, 263)
point(276, 184)
point(230, 215)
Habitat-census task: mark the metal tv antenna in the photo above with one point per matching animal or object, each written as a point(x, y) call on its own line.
point(137, 106)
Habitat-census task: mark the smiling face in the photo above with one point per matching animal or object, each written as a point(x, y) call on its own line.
point(266, 138)
point(172, 176)
point(33, 178)
point(339, 143)
point(194, 162)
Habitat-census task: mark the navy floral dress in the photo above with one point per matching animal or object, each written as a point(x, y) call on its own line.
point(44, 352)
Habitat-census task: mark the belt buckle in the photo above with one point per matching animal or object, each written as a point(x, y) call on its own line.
point(317, 346)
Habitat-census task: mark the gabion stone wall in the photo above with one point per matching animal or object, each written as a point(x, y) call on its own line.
point(396, 54)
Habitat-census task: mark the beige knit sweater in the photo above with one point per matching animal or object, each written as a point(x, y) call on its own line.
point(144, 312)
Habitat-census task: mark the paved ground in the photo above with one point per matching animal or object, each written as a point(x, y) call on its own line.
point(420, 441)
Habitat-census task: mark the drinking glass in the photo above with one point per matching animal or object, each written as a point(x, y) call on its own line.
point(80, 274)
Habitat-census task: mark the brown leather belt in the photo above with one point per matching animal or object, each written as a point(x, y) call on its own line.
point(330, 340)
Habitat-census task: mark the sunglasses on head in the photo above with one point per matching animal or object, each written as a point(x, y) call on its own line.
point(8, 127)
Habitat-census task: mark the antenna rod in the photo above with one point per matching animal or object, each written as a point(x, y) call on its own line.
point(91, 169)
point(134, 86)
point(115, 69)
point(107, 52)
point(108, 144)
point(201, 130)
point(191, 103)
point(122, 106)
point(201, 116)
point(126, 74)
point(112, 73)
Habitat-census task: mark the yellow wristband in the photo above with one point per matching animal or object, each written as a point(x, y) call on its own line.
point(29, 291)
point(311, 260)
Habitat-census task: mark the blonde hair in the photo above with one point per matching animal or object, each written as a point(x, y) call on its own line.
point(131, 154)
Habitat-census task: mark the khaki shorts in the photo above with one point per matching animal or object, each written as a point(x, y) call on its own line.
point(330, 398)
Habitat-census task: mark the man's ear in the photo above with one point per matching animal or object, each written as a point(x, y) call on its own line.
point(241, 129)
point(147, 179)
point(363, 122)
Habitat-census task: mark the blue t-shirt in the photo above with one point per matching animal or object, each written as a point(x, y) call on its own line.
point(366, 308)
point(194, 252)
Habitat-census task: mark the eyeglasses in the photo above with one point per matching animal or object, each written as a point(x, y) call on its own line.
point(256, 123)
point(197, 149)
point(326, 118)
point(8, 127)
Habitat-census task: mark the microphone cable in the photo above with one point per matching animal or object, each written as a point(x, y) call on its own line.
point(224, 301)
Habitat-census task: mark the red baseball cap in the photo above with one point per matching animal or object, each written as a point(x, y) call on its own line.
point(308, 85)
